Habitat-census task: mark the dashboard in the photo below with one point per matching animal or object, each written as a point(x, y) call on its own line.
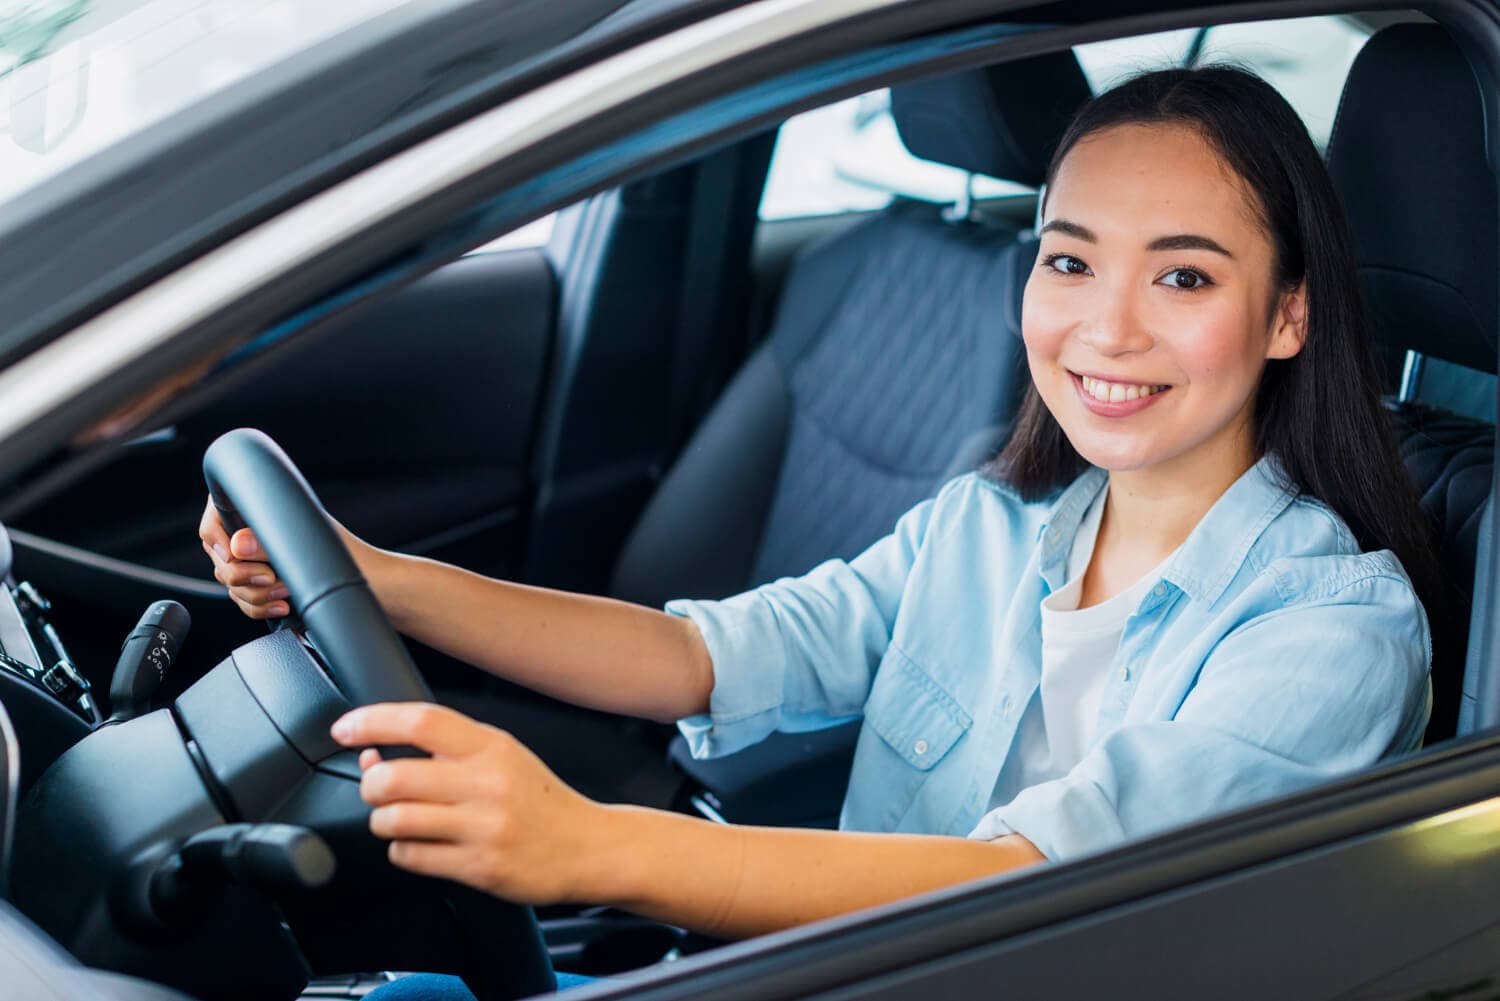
point(32, 655)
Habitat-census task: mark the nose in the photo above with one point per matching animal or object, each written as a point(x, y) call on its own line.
point(1115, 327)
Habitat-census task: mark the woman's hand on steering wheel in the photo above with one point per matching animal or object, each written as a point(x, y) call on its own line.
point(483, 810)
point(240, 565)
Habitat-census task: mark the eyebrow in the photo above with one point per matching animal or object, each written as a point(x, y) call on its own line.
point(1188, 241)
point(1072, 229)
point(1178, 241)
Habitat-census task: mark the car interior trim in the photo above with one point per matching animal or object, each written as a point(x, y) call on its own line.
point(180, 583)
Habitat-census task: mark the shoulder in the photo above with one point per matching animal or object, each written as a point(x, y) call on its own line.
point(979, 496)
point(1307, 553)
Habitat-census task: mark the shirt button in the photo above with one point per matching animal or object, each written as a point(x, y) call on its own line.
point(1124, 672)
point(920, 747)
point(1159, 590)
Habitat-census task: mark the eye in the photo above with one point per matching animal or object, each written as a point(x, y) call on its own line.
point(1185, 279)
point(1066, 264)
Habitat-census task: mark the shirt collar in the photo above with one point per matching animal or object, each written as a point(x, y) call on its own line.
point(1057, 534)
point(1215, 550)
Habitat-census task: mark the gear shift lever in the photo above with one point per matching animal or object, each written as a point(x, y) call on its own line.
point(145, 656)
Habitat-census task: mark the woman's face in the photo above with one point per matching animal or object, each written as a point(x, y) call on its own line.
point(1150, 314)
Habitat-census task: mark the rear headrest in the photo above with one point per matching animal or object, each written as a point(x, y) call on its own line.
point(1003, 121)
point(1407, 155)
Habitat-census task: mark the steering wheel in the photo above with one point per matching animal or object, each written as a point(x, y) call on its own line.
point(253, 482)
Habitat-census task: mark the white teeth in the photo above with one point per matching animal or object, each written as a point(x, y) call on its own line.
point(1117, 392)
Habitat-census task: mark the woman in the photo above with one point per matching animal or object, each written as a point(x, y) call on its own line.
point(1179, 589)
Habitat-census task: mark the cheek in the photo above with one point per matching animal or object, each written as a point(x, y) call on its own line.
point(1044, 321)
point(1216, 347)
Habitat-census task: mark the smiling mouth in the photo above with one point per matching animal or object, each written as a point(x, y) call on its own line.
point(1117, 392)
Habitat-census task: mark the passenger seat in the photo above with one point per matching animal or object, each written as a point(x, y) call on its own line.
point(1408, 158)
point(894, 363)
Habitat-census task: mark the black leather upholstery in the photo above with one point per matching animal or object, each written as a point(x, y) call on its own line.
point(1002, 121)
point(1407, 155)
point(1450, 457)
point(895, 361)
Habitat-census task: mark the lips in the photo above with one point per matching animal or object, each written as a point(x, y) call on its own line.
point(1108, 398)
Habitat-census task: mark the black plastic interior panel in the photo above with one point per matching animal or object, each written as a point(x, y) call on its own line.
point(411, 418)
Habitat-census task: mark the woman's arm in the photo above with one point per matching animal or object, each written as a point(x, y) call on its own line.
point(734, 882)
point(574, 647)
point(590, 651)
point(484, 811)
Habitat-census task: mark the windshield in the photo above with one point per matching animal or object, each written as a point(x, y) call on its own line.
point(78, 75)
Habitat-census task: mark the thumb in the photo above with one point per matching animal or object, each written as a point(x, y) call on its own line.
point(245, 546)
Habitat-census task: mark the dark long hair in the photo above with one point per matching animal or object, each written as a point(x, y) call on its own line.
point(1318, 412)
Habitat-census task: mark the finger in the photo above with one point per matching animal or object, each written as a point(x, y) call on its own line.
point(423, 780)
point(275, 610)
point(261, 596)
point(239, 573)
point(439, 859)
point(419, 822)
point(421, 724)
point(368, 758)
point(211, 531)
point(244, 545)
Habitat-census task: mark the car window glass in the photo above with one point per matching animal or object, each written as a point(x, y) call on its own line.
point(533, 234)
point(847, 157)
point(78, 76)
point(1306, 59)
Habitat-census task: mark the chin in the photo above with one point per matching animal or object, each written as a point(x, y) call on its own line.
point(1117, 457)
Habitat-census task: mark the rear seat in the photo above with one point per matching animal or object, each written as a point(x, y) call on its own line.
point(1408, 157)
point(894, 363)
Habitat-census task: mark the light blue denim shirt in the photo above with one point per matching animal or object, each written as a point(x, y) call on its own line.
point(1270, 655)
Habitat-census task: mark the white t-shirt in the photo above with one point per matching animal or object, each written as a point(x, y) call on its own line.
point(1078, 647)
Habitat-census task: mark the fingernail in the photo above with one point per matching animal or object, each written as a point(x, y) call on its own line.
point(261, 580)
point(342, 729)
point(279, 591)
point(221, 552)
point(280, 608)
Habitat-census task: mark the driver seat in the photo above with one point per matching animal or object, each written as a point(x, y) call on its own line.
point(1408, 158)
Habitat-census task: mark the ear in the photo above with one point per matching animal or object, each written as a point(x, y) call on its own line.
point(1289, 324)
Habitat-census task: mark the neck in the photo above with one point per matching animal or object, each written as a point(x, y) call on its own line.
point(1157, 508)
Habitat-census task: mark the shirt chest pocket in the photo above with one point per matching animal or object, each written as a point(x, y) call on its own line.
point(913, 713)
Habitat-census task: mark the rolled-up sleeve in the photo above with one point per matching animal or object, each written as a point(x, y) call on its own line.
point(800, 653)
point(1288, 699)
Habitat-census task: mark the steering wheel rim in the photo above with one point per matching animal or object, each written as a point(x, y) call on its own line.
point(252, 481)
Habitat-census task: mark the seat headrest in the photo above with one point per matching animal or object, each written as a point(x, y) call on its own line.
point(1003, 121)
point(1408, 158)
